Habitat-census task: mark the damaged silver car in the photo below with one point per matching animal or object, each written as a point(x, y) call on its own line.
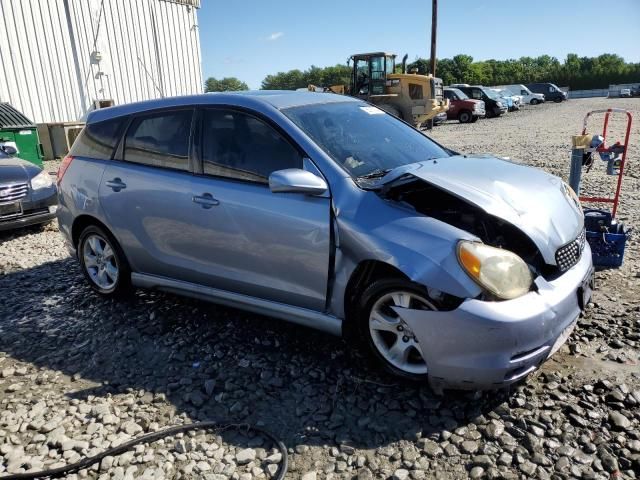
point(466, 271)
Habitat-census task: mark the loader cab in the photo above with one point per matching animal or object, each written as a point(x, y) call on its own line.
point(369, 75)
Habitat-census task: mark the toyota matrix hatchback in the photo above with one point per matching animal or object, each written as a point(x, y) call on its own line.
point(324, 210)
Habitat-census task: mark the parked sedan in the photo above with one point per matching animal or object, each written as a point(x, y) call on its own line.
point(27, 192)
point(321, 209)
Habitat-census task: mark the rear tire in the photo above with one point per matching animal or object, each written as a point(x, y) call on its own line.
point(103, 262)
point(465, 116)
point(384, 336)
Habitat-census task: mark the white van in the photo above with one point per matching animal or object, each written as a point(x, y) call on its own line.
point(527, 95)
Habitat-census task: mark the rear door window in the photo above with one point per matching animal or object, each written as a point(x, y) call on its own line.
point(98, 140)
point(243, 147)
point(160, 140)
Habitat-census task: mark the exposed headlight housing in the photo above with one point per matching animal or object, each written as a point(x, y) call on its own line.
point(571, 196)
point(500, 272)
point(499, 104)
point(42, 180)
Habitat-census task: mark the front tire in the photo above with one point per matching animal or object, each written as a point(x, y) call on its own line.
point(465, 116)
point(386, 338)
point(103, 263)
point(535, 101)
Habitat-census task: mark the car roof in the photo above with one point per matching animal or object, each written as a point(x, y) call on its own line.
point(256, 99)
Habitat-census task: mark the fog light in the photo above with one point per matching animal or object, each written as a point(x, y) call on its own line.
point(53, 209)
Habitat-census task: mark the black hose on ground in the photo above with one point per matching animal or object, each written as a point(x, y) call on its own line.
point(152, 437)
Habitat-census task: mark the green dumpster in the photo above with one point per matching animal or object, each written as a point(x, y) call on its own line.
point(20, 132)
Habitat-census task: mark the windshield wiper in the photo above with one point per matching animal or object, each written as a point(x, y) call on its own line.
point(377, 173)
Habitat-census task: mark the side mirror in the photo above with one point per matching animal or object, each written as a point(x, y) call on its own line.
point(8, 149)
point(296, 180)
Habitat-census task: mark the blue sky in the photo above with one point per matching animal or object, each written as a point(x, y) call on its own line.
point(250, 39)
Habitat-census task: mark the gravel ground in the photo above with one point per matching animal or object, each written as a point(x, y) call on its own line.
point(79, 374)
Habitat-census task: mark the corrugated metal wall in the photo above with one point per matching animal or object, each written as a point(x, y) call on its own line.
point(49, 68)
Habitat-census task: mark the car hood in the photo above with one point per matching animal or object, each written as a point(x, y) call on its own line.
point(536, 202)
point(15, 170)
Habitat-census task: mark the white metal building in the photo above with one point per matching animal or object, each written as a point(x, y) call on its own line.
point(59, 57)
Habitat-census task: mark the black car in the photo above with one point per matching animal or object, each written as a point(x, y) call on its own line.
point(493, 103)
point(550, 91)
point(28, 194)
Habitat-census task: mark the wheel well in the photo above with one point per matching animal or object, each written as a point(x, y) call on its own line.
point(82, 222)
point(364, 274)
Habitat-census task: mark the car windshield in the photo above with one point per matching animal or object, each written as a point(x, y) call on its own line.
point(491, 94)
point(461, 95)
point(363, 139)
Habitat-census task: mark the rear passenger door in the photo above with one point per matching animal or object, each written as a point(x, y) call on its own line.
point(274, 246)
point(145, 192)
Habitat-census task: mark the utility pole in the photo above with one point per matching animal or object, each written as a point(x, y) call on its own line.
point(434, 27)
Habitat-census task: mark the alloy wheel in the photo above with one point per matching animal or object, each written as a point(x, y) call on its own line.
point(100, 261)
point(392, 337)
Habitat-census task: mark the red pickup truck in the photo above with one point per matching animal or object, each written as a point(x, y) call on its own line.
point(463, 108)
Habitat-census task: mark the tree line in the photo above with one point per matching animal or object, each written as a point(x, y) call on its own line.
point(575, 72)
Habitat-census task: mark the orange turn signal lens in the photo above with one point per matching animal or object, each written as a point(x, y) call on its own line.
point(469, 261)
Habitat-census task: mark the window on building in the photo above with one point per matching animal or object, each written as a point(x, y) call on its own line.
point(160, 140)
point(240, 146)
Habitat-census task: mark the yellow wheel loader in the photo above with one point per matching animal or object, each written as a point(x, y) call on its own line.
point(414, 98)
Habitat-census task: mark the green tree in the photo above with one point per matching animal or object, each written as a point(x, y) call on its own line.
point(227, 84)
point(293, 79)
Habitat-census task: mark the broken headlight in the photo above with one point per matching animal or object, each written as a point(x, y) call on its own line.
point(500, 272)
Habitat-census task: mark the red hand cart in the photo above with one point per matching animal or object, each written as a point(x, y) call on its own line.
point(602, 148)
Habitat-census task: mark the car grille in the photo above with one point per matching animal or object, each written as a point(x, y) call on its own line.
point(568, 255)
point(9, 193)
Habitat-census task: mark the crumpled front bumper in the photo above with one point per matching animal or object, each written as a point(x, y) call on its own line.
point(485, 345)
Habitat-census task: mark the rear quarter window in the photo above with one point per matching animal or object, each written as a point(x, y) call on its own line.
point(98, 140)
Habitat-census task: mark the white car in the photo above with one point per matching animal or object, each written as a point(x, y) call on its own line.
point(527, 95)
point(625, 92)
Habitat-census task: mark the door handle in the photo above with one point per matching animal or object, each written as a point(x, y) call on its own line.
point(206, 200)
point(116, 184)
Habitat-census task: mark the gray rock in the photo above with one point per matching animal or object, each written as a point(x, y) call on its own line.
point(527, 468)
point(483, 461)
point(562, 464)
point(469, 446)
point(540, 459)
point(245, 456)
point(274, 458)
point(131, 428)
point(494, 429)
point(400, 474)
point(619, 421)
point(430, 448)
point(476, 472)
point(180, 446)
